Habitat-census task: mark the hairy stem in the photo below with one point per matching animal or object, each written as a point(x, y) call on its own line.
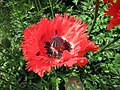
point(51, 8)
point(95, 16)
point(36, 5)
point(44, 81)
point(39, 4)
point(18, 15)
point(117, 38)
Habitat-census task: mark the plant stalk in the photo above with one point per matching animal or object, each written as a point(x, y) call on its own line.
point(36, 5)
point(117, 38)
point(51, 8)
point(18, 15)
point(39, 4)
point(95, 16)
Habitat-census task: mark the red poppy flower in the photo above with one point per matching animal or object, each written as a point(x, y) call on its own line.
point(113, 10)
point(56, 42)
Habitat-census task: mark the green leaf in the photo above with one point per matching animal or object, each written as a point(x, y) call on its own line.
point(75, 1)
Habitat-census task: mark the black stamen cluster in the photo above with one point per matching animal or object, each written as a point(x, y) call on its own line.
point(56, 46)
point(67, 46)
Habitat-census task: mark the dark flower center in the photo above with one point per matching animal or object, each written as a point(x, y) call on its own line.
point(56, 46)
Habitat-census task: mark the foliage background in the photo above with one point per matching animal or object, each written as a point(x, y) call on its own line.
point(101, 73)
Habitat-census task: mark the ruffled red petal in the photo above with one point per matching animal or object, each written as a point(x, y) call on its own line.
point(113, 22)
point(68, 28)
point(113, 10)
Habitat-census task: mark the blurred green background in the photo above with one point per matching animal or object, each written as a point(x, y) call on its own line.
point(101, 73)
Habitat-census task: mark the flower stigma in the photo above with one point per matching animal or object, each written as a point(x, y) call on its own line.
point(56, 46)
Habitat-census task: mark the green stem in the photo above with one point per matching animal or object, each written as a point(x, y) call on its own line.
point(51, 8)
point(39, 4)
point(117, 38)
point(18, 15)
point(95, 16)
point(44, 81)
point(36, 5)
point(53, 69)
